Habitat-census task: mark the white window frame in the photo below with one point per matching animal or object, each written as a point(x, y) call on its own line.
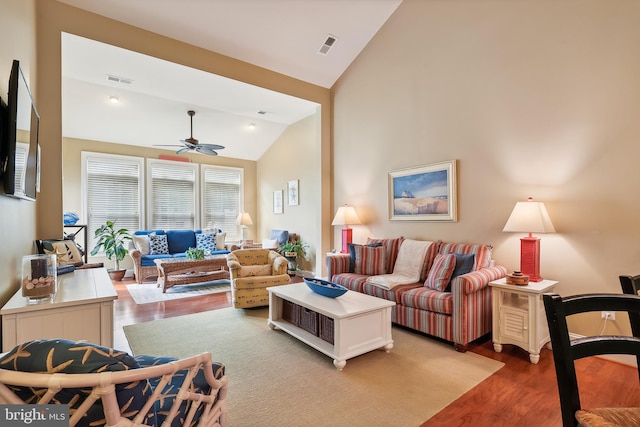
point(196, 189)
point(232, 232)
point(85, 158)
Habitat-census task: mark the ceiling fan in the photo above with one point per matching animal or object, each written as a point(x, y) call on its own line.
point(192, 144)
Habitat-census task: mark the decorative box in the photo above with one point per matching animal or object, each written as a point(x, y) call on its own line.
point(39, 280)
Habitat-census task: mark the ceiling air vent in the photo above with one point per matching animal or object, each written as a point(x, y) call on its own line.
point(116, 79)
point(327, 45)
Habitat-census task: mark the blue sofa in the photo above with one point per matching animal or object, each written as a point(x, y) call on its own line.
point(178, 242)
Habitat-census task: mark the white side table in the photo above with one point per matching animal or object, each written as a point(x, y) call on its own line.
point(519, 317)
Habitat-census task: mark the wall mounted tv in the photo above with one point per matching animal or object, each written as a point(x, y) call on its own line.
point(20, 150)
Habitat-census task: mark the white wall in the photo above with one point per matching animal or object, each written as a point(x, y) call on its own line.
point(534, 98)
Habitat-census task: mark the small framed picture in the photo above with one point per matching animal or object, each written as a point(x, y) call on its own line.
point(277, 202)
point(293, 193)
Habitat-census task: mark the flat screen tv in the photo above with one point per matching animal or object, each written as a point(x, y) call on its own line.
point(20, 150)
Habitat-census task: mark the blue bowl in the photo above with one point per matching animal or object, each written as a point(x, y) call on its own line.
point(325, 288)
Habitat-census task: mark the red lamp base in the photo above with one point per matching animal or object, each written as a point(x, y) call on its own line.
point(530, 258)
point(347, 234)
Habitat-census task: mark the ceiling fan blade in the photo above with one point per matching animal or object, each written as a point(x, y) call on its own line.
point(212, 146)
point(205, 149)
point(183, 150)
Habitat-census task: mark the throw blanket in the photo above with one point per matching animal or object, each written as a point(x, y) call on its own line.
point(408, 265)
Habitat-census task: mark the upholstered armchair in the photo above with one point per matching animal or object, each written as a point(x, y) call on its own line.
point(103, 386)
point(252, 272)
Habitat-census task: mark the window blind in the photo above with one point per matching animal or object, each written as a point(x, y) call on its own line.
point(222, 188)
point(172, 202)
point(113, 189)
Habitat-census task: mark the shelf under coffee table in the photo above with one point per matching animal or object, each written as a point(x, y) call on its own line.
point(361, 323)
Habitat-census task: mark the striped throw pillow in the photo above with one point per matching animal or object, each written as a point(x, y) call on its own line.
point(370, 260)
point(440, 272)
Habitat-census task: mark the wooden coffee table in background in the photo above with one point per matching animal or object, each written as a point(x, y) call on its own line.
point(182, 271)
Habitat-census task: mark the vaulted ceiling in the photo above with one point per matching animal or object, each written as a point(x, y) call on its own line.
point(284, 36)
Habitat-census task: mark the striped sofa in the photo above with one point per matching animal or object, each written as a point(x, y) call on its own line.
point(460, 315)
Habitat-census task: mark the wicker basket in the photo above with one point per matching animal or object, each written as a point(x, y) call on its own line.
point(326, 328)
point(290, 312)
point(308, 320)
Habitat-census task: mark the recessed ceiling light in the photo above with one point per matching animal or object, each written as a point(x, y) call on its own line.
point(251, 126)
point(114, 99)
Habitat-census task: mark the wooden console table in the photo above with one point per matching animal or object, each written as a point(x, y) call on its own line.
point(82, 309)
point(182, 271)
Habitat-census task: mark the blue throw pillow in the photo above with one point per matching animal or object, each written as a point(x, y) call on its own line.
point(206, 242)
point(158, 244)
point(464, 265)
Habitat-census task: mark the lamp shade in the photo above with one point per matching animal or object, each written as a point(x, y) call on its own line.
point(244, 219)
point(346, 215)
point(529, 217)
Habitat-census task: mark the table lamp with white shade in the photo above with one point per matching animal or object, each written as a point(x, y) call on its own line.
point(530, 217)
point(346, 215)
point(243, 219)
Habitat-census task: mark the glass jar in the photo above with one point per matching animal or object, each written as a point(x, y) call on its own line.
point(39, 279)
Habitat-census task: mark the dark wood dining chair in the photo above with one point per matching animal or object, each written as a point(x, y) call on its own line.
point(567, 350)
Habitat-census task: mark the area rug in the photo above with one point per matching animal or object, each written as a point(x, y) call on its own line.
point(145, 293)
point(276, 380)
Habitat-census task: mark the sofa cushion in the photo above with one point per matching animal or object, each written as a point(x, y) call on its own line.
point(77, 357)
point(141, 242)
point(352, 254)
point(392, 246)
point(428, 299)
point(66, 251)
point(220, 238)
point(482, 252)
point(180, 240)
point(370, 260)
point(281, 235)
point(464, 265)
point(206, 242)
point(158, 244)
point(170, 391)
point(351, 281)
point(440, 272)
point(394, 294)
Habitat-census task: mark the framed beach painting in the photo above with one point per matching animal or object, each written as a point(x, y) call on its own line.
point(424, 193)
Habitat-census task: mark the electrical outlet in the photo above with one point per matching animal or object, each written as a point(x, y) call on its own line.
point(611, 315)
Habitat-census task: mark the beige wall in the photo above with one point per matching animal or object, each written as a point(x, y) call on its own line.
point(17, 217)
point(294, 156)
point(534, 98)
point(54, 18)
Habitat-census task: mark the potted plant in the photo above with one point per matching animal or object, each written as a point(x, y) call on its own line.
point(112, 241)
point(291, 251)
point(195, 253)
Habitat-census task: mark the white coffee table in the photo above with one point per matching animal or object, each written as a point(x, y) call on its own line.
point(361, 323)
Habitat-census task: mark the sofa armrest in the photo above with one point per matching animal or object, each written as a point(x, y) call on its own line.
point(477, 280)
point(337, 264)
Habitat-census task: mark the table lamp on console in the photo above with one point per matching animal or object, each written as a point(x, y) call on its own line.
point(243, 219)
point(530, 217)
point(346, 215)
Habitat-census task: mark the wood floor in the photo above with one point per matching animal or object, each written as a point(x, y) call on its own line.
point(520, 394)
